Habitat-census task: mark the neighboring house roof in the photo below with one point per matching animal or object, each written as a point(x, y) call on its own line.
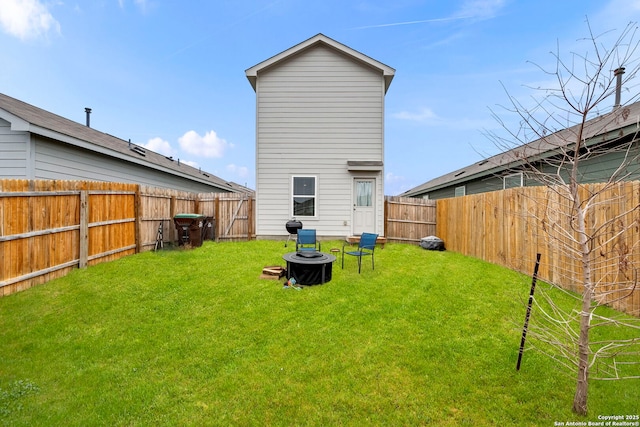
point(387, 72)
point(617, 124)
point(26, 117)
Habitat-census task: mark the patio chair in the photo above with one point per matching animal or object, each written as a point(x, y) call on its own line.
point(365, 248)
point(306, 240)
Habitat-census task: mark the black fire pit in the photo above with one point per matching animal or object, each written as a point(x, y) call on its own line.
point(309, 267)
point(292, 227)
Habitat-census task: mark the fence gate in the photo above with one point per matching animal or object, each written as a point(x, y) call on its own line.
point(234, 217)
point(407, 219)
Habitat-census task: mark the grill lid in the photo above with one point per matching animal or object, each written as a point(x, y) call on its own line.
point(293, 226)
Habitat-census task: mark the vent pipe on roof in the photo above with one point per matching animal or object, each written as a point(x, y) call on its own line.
point(618, 72)
point(88, 111)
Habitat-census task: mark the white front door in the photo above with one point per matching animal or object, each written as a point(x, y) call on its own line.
point(364, 211)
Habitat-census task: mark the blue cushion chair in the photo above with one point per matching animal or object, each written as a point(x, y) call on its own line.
point(306, 240)
point(365, 248)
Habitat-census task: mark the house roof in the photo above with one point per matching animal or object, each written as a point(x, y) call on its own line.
point(614, 125)
point(26, 117)
point(320, 39)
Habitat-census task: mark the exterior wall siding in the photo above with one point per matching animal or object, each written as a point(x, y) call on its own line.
point(601, 168)
point(55, 160)
point(13, 152)
point(594, 170)
point(315, 112)
point(482, 185)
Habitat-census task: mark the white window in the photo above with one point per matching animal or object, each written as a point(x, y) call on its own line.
point(460, 191)
point(512, 181)
point(304, 196)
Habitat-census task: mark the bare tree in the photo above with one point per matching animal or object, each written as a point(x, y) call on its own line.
point(563, 131)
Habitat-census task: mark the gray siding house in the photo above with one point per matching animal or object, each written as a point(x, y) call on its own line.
point(612, 139)
point(37, 144)
point(320, 139)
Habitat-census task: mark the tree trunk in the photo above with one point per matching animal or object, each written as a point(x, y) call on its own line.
point(580, 398)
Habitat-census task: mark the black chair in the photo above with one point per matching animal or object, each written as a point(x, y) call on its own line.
point(366, 247)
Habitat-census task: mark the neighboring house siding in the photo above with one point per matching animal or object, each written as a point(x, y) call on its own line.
point(55, 160)
point(482, 185)
point(315, 112)
point(601, 168)
point(491, 183)
point(595, 170)
point(611, 140)
point(13, 152)
point(37, 144)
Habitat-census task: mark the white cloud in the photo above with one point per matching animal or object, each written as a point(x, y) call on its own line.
point(161, 146)
point(395, 184)
point(143, 5)
point(27, 19)
point(209, 145)
point(481, 9)
point(240, 171)
point(471, 9)
point(424, 115)
point(391, 177)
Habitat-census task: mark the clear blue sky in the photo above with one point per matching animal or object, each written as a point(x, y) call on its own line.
point(169, 74)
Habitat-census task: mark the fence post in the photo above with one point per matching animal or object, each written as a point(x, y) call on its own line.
point(196, 204)
point(172, 213)
point(138, 224)
point(249, 217)
point(386, 217)
point(84, 229)
point(216, 214)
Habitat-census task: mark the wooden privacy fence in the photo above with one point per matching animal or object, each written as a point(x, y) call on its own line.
point(509, 227)
point(231, 214)
point(407, 220)
point(48, 228)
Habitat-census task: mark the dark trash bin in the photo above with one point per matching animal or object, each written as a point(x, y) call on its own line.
point(209, 228)
point(190, 229)
point(432, 243)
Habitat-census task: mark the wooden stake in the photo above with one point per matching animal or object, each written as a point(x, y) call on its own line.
point(526, 318)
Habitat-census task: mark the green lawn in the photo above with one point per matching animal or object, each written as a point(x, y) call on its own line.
point(196, 338)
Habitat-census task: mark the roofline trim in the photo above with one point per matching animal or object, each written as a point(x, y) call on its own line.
point(252, 72)
point(17, 124)
point(51, 134)
point(601, 138)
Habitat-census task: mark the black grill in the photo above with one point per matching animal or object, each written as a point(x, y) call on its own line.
point(292, 227)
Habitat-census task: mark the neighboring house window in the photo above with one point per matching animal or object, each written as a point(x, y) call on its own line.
point(460, 191)
point(304, 196)
point(425, 196)
point(512, 181)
